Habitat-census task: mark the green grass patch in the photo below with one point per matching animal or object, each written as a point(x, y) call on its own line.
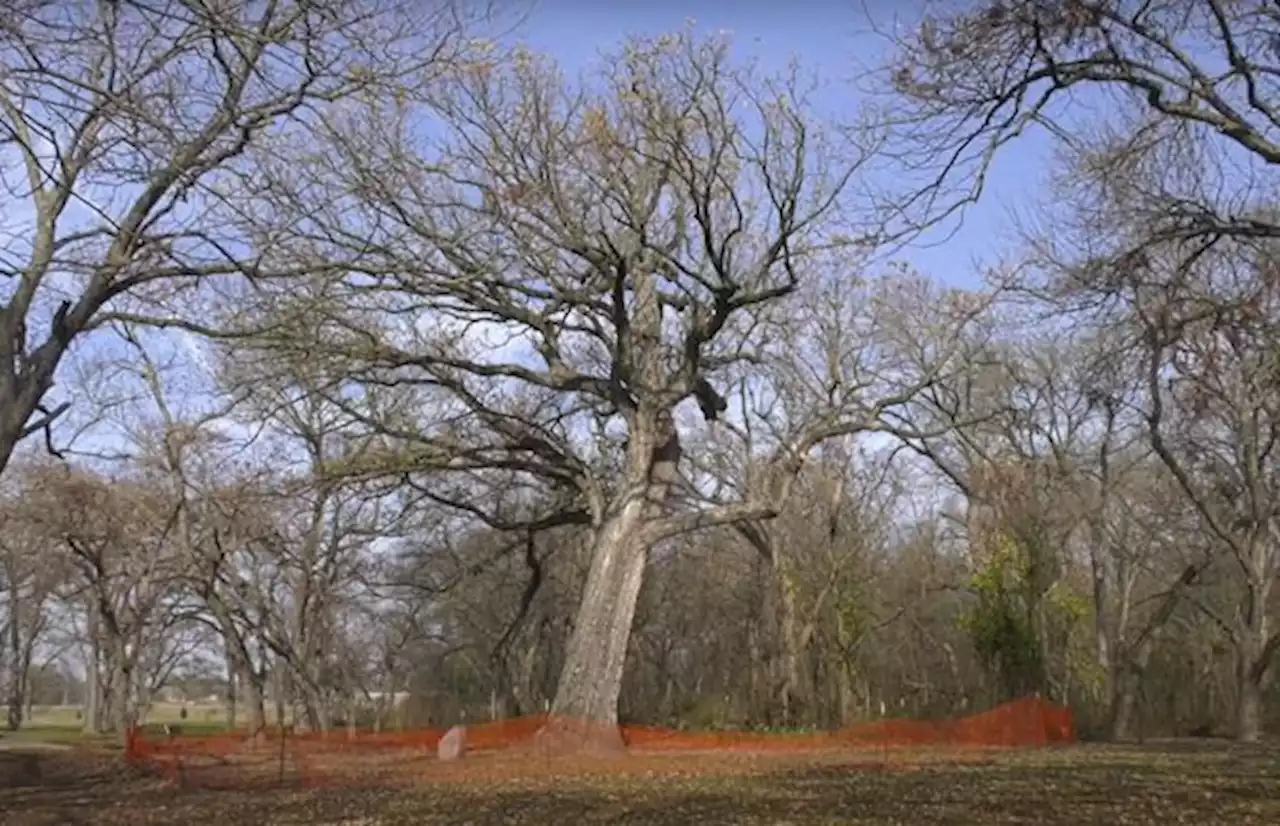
point(52, 734)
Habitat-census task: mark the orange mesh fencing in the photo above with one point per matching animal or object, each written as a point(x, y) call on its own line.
point(1030, 721)
point(280, 757)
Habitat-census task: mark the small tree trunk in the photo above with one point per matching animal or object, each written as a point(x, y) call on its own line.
point(93, 671)
point(1126, 681)
point(529, 693)
point(1249, 712)
point(1249, 692)
point(18, 664)
point(16, 703)
point(122, 702)
point(252, 689)
point(282, 690)
point(1124, 698)
point(758, 681)
point(1252, 663)
point(587, 697)
point(789, 640)
point(230, 698)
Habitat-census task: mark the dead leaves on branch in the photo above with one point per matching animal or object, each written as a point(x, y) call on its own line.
point(966, 83)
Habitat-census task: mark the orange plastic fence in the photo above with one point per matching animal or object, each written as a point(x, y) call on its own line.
point(274, 757)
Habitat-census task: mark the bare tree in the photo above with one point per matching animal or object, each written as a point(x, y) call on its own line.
point(114, 537)
point(971, 79)
point(571, 265)
point(1192, 306)
point(30, 581)
point(1165, 228)
point(1214, 417)
point(215, 517)
point(136, 129)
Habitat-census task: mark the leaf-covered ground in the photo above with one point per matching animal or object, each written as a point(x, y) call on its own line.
point(1171, 783)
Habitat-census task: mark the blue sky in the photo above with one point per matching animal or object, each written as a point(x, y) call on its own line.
point(837, 40)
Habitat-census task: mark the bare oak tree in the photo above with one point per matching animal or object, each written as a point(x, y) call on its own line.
point(561, 269)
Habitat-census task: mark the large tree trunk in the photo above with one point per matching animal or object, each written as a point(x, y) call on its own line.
point(17, 697)
point(311, 706)
point(846, 699)
point(585, 710)
point(1124, 696)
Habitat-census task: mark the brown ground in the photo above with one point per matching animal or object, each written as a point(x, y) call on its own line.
point(1171, 783)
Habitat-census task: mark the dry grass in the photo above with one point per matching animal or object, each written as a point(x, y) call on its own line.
point(198, 714)
point(1168, 783)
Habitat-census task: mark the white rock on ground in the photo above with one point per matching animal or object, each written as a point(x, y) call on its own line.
point(454, 744)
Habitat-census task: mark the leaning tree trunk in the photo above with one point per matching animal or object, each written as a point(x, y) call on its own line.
point(585, 710)
point(250, 682)
point(584, 715)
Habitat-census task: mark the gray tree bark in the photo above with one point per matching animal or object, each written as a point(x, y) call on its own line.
point(586, 701)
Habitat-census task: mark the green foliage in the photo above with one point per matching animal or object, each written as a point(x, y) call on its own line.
point(1014, 616)
point(1067, 605)
point(1002, 623)
point(1072, 613)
